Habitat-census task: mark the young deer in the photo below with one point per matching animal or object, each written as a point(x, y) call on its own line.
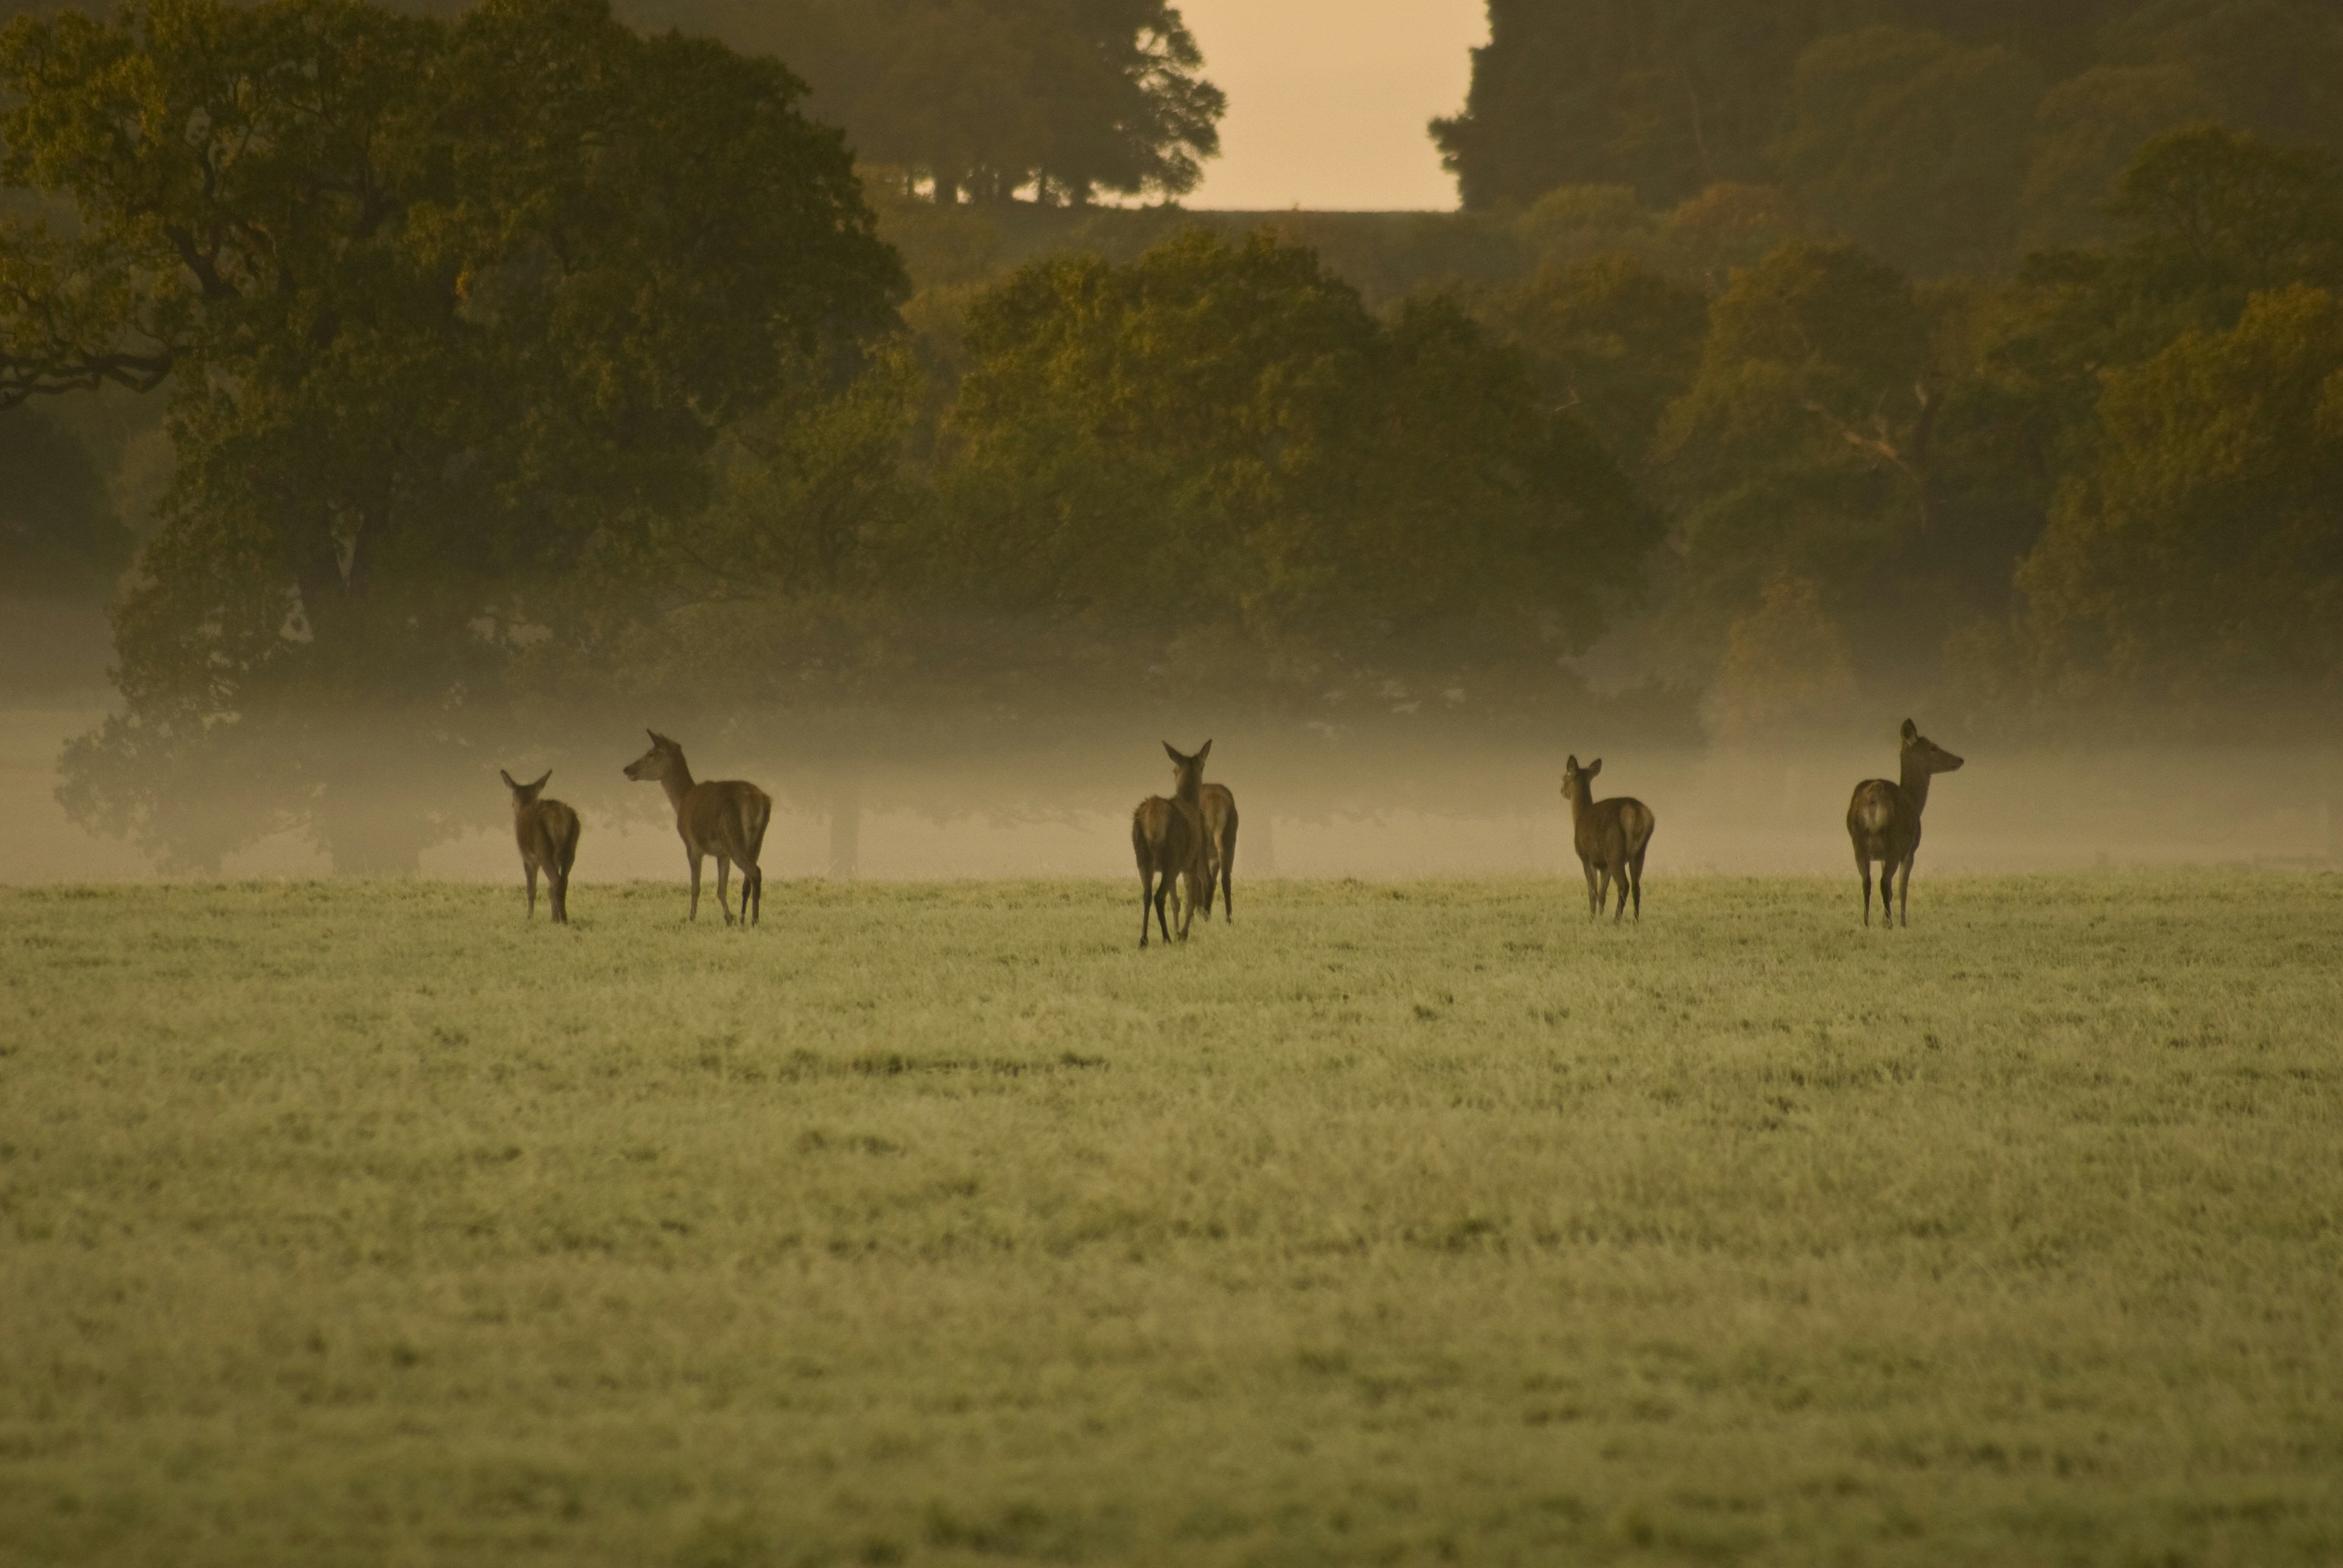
point(1218, 808)
point(1167, 839)
point(725, 819)
point(1884, 821)
point(1610, 836)
point(547, 831)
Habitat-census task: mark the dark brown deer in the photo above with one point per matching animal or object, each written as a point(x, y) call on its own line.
point(1610, 836)
point(1167, 839)
point(723, 818)
point(1884, 821)
point(547, 831)
point(1219, 810)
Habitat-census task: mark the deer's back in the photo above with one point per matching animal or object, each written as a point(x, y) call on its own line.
point(1166, 835)
point(1882, 819)
point(1612, 832)
point(1218, 808)
point(726, 816)
point(548, 834)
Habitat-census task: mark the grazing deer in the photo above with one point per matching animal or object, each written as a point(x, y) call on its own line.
point(1167, 839)
point(1884, 821)
point(1218, 808)
point(547, 831)
point(1610, 836)
point(725, 819)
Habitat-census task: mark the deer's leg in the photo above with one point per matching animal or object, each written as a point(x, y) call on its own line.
point(723, 882)
point(1635, 868)
point(1619, 874)
point(1229, 881)
point(752, 886)
point(1863, 864)
point(1162, 896)
point(529, 869)
point(695, 885)
point(1146, 897)
point(561, 899)
point(1903, 900)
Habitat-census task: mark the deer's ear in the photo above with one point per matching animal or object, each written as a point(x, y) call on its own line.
point(541, 779)
point(652, 733)
point(1592, 768)
point(1911, 731)
point(509, 778)
point(1205, 751)
point(1571, 766)
point(1172, 754)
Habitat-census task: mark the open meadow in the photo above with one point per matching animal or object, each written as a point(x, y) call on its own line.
point(349, 1222)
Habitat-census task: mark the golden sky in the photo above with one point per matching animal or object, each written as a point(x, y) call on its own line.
point(1327, 99)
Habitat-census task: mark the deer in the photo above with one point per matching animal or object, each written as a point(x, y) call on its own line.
point(1884, 821)
point(1167, 837)
point(547, 831)
point(1217, 807)
point(723, 818)
point(1610, 836)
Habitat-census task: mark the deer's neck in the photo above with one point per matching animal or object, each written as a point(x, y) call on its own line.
point(1915, 784)
point(678, 783)
point(1190, 792)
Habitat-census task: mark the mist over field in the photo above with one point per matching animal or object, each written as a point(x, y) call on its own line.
point(920, 796)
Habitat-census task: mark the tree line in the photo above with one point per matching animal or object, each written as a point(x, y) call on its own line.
point(518, 359)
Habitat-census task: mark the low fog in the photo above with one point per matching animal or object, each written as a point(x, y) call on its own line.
point(898, 797)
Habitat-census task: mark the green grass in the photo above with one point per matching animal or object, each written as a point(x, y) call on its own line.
point(350, 1223)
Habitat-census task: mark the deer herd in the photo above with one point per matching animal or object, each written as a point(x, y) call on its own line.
point(1186, 845)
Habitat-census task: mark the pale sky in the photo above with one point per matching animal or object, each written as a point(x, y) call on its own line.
point(1327, 99)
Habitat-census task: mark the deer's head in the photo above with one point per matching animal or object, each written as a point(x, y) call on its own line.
point(1578, 783)
point(1925, 754)
point(525, 794)
point(1187, 772)
point(655, 764)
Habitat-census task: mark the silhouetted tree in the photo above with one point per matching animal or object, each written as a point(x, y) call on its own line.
point(983, 98)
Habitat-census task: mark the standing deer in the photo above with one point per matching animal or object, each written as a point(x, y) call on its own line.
point(1884, 821)
point(1610, 836)
point(725, 819)
point(1219, 810)
point(547, 831)
point(1167, 839)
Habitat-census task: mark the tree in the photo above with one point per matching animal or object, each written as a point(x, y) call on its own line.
point(1912, 145)
point(2087, 132)
point(1788, 670)
point(986, 97)
point(1609, 338)
point(448, 307)
point(1802, 449)
point(1221, 434)
point(1666, 95)
point(2200, 552)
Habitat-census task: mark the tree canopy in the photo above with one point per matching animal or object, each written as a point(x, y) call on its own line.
point(1222, 432)
point(983, 98)
point(447, 308)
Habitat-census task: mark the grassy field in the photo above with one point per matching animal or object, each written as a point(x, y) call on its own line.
point(351, 1224)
